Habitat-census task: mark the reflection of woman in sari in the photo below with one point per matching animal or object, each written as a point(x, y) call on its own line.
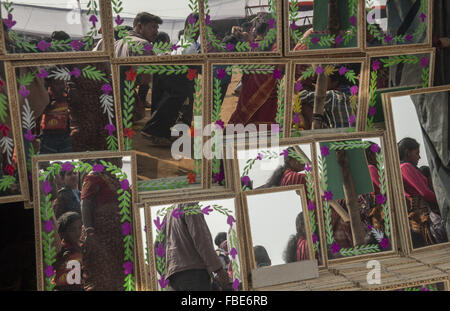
point(103, 251)
point(297, 247)
point(423, 212)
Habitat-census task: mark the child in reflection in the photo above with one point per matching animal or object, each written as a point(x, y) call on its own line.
point(423, 211)
point(68, 260)
point(262, 258)
point(68, 197)
point(297, 246)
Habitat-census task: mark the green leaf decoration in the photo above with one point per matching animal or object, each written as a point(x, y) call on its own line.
point(279, 119)
point(92, 73)
point(3, 107)
point(26, 79)
point(6, 182)
point(349, 145)
point(399, 59)
point(360, 250)
point(162, 185)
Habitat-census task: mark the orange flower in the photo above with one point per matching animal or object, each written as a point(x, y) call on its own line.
point(131, 75)
point(192, 74)
point(192, 178)
point(128, 133)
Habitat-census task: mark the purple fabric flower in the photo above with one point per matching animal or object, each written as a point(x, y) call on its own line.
point(422, 17)
point(207, 20)
point(218, 177)
point(384, 243)
point(369, 227)
point(75, 72)
point(160, 250)
point(424, 289)
point(351, 120)
point(48, 226)
point(285, 153)
point(230, 46)
point(319, 70)
point(381, 199)
point(388, 38)
point(354, 90)
point(30, 137)
point(106, 88)
point(338, 40)
point(191, 19)
point(43, 45)
point(163, 282)
point(175, 47)
point(307, 167)
point(93, 19)
point(126, 228)
point(76, 45)
point(67, 167)
point(177, 213)
point(125, 184)
point(298, 86)
point(271, 23)
point(49, 271)
point(296, 119)
point(148, 48)
point(110, 128)
point(207, 210)
point(221, 73)
point(259, 157)
point(353, 20)
point(335, 248)
point(98, 168)
point(159, 225)
point(424, 62)
point(220, 124)
point(371, 17)
point(343, 70)
point(311, 206)
point(328, 195)
point(375, 148)
point(315, 40)
point(119, 21)
point(9, 22)
point(245, 180)
point(145, 229)
point(376, 64)
point(277, 74)
point(324, 150)
point(42, 74)
point(236, 284)
point(314, 238)
point(372, 111)
point(47, 187)
point(23, 91)
point(409, 37)
point(233, 253)
point(231, 220)
point(254, 45)
point(128, 267)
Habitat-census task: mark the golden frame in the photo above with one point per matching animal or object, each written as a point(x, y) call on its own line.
point(400, 287)
point(322, 52)
point(152, 282)
point(396, 174)
point(137, 250)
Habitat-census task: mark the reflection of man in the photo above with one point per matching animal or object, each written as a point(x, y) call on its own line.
point(145, 29)
point(190, 253)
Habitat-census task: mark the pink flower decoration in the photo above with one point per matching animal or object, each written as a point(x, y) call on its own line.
point(424, 62)
point(372, 111)
point(259, 157)
point(230, 46)
point(371, 17)
point(75, 72)
point(325, 151)
point(245, 180)
point(43, 45)
point(351, 120)
point(128, 267)
point(47, 187)
point(221, 73)
point(231, 220)
point(271, 23)
point(49, 271)
point(42, 74)
point(293, 26)
point(376, 65)
point(9, 22)
point(298, 86)
point(314, 238)
point(159, 225)
point(335, 248)
point(163, 282)
point(384, 243)
point(388, 38)
point(119, 21)
point(277, 74)
point(76, 45)
point(98, 168)
point(48, 226)
point(160, 251)
point(207, 20)
point(315, 40)
point(375, 148)
point(93, 19)
point(219, 177)
point(254, 45)
point(30, 137)
point(353, 20)
point(354, 90)
point(343, 70)
point(338, 40)
point(233, 253)
point(148, 48)
point(422, 17)
point(236, 284)
point(67, 167)
point(409, 37)
point(125, 184)
point(319, 70)
point(177, 213)
point(110, 128)
point(296, 119)
point(381, 199)
point(126, 228)
point(207, 210)
point(311, 206)
point(23, 91)
point(307, 167)
point(106, 88)
point(175, 47)
point(191, 19)
point(285, 153)
point(328, 196)
point(220, 124)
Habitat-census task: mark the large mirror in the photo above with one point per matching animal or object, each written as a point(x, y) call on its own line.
point(355, 199)
point(155, 28)
point(46, 27)
point(85, 223)
point(421, 127)
point(162, 112)
point(195, 247)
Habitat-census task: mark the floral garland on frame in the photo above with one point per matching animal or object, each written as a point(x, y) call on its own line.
point(381, 237)
point(128, 108)
point(324, 41)
point(63, 73)
point(405, 38)
point(161, 267)
point(158, 48)
point(376, 64)
point(243, 46)
point(328, 70)
point(310, 190)
point(47, 212)
point(86, 43)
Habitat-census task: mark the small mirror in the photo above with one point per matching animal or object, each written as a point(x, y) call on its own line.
point(202, 235)
point(85, 216)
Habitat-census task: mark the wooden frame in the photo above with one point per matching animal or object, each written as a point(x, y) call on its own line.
point(362, 92)
point(397, 177)
point(387, 48)
point(39, 206)
point(102, 15)
point(152, 282)
point(410, 285)
point(224, 55)
point(325, 51)
point(370, 77)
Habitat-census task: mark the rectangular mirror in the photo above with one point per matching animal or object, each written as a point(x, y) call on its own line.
point(355, 200)
point(64, 26)
point(86, 238)
point(419, 127)
point(193, 241)
point(162, 113)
